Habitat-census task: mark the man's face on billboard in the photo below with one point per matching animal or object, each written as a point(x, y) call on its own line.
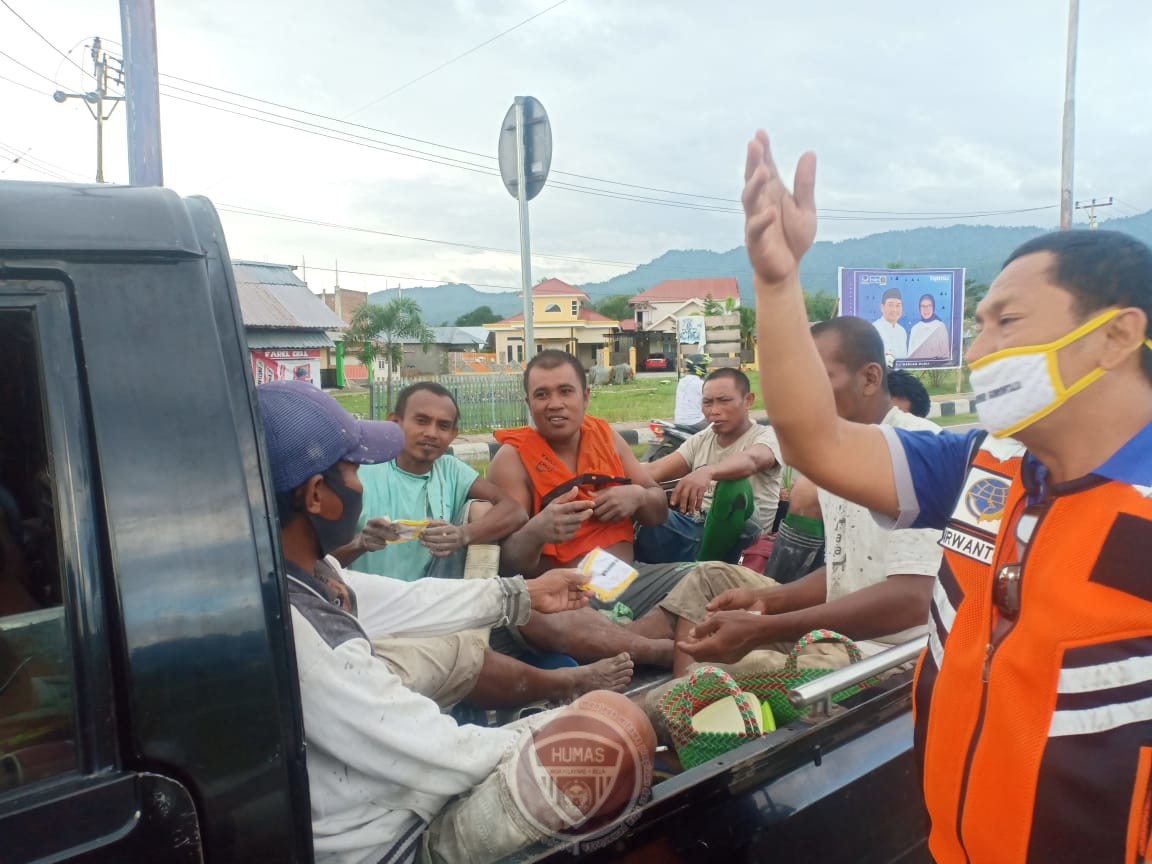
point(892, 309)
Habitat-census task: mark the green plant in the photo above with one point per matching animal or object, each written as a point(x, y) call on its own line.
point(379, 329)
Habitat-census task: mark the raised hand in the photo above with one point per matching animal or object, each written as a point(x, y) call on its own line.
point(778, 226)
point(558, 590)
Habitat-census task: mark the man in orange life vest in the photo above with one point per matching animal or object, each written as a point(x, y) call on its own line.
point(582, 486)
point(1034, 698)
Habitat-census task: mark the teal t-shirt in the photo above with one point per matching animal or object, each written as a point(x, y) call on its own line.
point(393, 492)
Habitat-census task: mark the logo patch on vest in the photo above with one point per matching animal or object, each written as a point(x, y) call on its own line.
point(975, 522)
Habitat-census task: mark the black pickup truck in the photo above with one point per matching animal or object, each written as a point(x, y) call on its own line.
point(149, 705)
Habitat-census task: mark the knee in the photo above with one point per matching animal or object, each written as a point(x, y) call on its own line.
point(581, 728)
point(477, 510)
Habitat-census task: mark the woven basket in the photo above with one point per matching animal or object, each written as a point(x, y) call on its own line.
point(708, 684)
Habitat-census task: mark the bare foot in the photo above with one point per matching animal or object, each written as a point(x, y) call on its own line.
point(611, 674)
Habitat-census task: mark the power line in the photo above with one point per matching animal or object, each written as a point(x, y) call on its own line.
point(43, 38)
point(830, 213)
point(343, 271)
point(284, 217)
point(18, 157)
point(451, 162)
point(447, 63)
point(25, 86)
point(26, 67)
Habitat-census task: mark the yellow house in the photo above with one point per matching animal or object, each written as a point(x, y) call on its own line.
point(559, 320)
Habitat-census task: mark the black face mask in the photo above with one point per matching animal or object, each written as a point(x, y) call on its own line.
point(334, 533)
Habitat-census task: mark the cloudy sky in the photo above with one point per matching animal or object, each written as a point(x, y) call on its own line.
point(917, 111)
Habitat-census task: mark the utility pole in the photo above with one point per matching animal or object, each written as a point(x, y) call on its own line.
point(142, 87)
point(1069, 136)
point(1091, 206)
point(94, 101)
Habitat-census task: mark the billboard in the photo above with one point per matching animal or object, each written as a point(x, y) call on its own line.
point(918, 313)
point(300, 364)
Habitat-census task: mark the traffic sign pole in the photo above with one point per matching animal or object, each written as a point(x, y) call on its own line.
point(525, 242)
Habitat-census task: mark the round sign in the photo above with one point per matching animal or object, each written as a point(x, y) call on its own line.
point(537, 136)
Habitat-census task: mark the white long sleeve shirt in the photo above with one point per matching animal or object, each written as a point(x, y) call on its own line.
point(383, 760)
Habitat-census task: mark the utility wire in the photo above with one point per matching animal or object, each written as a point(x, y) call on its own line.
point(343, 271)
point(284, 217)
point(26, 67)
point(448, 161)
point(25, 86)
point(826, 212)
point(44, 38)
point(448, 63)
point(15, 157)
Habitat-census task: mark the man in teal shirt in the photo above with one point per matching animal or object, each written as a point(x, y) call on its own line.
point(425, 483)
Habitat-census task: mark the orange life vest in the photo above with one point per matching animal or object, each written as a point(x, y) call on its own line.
point(1036, 743)
point(596, 455)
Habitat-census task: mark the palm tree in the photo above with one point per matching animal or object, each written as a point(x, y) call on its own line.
point(379, 329)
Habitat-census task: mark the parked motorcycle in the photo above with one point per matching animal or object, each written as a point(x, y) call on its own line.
point(668, 438)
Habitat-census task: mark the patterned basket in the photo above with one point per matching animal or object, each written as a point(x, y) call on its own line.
point(708, 684)
point(705, 685)
point(772, 687)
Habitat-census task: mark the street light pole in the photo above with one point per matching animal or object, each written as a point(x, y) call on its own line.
point(1069, 135)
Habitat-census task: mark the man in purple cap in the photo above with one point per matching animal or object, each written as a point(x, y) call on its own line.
point(391, 777)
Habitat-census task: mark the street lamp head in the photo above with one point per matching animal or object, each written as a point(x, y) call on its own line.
point(92, 97)
point(60, 96)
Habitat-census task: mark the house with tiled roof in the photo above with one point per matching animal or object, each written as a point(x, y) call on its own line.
point(289, 329)
point(561, 319)
point(658, 308)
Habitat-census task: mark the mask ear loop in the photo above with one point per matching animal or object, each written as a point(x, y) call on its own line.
point(1063, 393)
point(1049, 347)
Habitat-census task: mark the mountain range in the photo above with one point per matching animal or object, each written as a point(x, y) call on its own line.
point(979, 248)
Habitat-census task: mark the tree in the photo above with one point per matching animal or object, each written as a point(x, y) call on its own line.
point(820, 306)
point(614, 306)
point(747, 326)
point(379, 329)
point(712, 306)
point(477, 317)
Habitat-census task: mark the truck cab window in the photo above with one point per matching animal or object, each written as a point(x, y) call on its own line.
point(37, 725)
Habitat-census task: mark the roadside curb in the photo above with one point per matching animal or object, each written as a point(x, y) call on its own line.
point(952, 408)
point(478, 451)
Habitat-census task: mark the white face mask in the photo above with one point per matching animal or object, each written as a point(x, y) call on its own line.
point(1018, 386)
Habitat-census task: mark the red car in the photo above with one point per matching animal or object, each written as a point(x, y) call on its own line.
point(655, 363)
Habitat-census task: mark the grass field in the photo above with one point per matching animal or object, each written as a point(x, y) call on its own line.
point(647, 398)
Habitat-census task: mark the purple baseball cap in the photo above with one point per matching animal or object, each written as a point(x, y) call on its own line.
point(306, 432)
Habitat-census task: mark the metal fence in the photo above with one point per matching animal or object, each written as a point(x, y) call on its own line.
point(486, 401)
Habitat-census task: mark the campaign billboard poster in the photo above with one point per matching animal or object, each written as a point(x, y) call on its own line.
point(292, 364)
point(918, 313)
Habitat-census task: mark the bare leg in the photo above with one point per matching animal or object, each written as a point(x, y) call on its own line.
point(587, 635)
point(657, 624)
point(680, 660)
point(505, 682)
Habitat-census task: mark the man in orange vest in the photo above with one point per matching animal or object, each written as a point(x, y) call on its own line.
point(582, 488)
point(1033, 702)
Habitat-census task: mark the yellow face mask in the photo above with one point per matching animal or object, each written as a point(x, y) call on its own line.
point(1016, 387)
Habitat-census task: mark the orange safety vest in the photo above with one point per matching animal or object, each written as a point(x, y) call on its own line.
point(596, 455)
point(1035, 744)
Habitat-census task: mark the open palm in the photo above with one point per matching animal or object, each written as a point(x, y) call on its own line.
point(779, 225)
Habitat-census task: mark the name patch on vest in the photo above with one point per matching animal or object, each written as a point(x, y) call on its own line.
point(972, 530)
